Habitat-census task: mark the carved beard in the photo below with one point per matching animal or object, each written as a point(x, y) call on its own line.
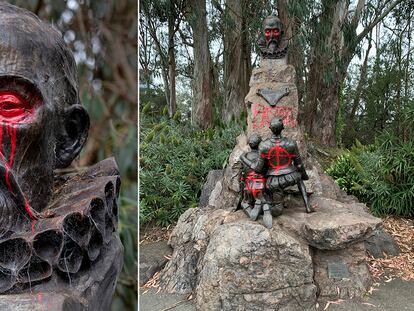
point(11, 218)
point(14, 213)
point(273, 45)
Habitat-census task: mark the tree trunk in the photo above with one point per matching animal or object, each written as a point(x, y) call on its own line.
point(163, 58)
point(237, 63)
point(201, 108)
point(172, 105)
point(330, 59)
point(362, 78)
point(296, 55)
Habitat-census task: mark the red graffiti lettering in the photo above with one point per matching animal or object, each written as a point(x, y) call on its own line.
point(263, 114)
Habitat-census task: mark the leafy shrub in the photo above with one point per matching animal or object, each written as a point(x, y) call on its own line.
point(381, 175)
point(174, 162)
point(346, 170)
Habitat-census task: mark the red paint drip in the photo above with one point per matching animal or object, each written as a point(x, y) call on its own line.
point(29, 210)
point(33, 225)
point(7, 178)
point(6, 166)
point(40, 300)
point(14, 109)
point(13, 144)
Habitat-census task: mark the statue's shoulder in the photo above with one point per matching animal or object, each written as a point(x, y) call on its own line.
point(252, 155)
point(289, 144)
point(265, 145)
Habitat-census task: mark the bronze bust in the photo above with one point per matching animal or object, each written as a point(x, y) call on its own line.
point(57, 232)
point(272, 42)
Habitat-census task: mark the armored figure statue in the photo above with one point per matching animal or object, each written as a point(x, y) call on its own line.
point(272, 43)
point(57, 232)
point(254, 183)
point(280, 163)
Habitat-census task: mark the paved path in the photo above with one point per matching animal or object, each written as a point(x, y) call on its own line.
point(396, 295)
point(150, 301)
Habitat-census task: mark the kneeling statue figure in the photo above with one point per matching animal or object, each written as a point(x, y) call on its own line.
point(280, 163)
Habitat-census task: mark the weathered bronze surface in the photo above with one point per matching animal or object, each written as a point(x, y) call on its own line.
point(280, 163)
point(253, 183)
point(273, 96)
point(272, 42)
point(56, 232)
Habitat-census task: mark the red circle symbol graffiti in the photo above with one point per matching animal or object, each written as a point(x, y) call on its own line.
point(279, 158)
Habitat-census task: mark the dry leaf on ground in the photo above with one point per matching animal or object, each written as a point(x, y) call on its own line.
point(401, 266)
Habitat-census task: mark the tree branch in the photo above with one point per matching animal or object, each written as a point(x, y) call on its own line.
point(357, 14)
point(377, 20)
point(185, 39)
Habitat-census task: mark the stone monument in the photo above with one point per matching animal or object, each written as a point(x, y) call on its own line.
point(233, 263)
point(59, 249)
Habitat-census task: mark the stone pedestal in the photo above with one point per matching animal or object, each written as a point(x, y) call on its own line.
point(274, 74)
point(233, 263)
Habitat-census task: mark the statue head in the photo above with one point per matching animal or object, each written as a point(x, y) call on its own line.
point(254, 141)
point(42, 124)
point(273, 32)
point(276, 126)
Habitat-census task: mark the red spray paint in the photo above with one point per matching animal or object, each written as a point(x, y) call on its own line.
point(278, 153)
point(262, 114)
point(40, 301)
point(13, 110)
point(255, 183)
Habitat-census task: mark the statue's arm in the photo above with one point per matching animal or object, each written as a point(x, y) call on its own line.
point(257, 165)
point(297, 160)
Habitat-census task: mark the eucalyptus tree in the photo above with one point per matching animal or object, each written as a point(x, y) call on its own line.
point(155, 15)
point(332, 37)
point(202, 102)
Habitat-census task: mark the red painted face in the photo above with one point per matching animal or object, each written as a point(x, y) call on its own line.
point(272, 34)
point(14, 108)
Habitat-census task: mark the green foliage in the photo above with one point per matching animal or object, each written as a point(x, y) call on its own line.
point(346, 171)
point(175, 160)
point(381, 175)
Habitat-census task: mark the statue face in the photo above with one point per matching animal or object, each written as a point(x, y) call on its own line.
point(272, 32)
point(42, 125)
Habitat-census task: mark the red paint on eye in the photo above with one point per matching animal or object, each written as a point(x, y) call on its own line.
point(12, 133)
point(13, 108)
point(267, 35)
point(275, 32)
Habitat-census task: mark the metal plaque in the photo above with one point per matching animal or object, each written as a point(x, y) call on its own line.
point(273, 96)
point(337, 270)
